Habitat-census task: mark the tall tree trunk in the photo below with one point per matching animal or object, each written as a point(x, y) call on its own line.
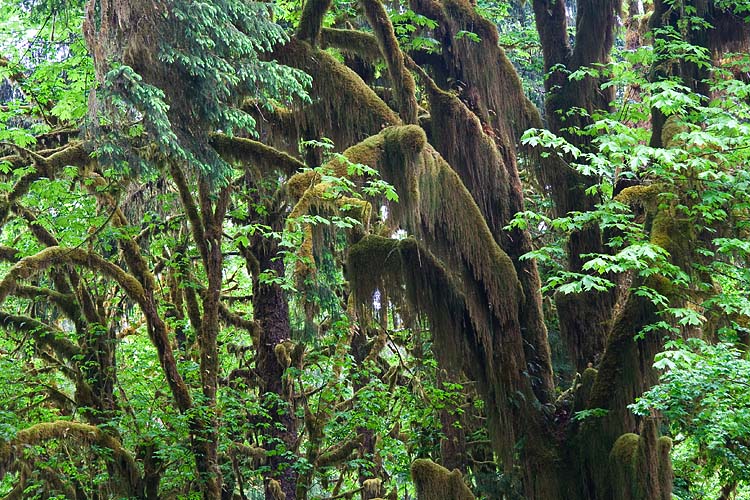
point(271, 311)
point(585, 317)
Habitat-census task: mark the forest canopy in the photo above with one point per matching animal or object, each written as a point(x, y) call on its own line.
point(322, 249)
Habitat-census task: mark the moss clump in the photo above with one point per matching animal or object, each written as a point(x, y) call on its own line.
point(645, 195)
point(673, 234)
point(434, 482)
point(670, 130)
point(625, 448)
point(640, 466)
point(583, 391)
point(275, 491)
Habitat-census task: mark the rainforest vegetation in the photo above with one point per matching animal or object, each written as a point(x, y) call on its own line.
point(365, 249)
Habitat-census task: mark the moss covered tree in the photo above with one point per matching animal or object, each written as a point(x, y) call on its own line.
point(194, 205)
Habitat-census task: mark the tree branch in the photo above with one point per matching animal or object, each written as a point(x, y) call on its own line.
point(401, 79)
point(311, 21)
point(256, 153)
point(124, 464)
point(43, 260)
point(356, 42)
point(42, 334)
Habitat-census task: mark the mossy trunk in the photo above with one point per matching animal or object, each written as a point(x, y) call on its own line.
point(453, 453)
point(584, 318)
point(271, 311)
point(368, 477)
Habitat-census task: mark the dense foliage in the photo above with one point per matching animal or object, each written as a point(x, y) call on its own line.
point(324, 249)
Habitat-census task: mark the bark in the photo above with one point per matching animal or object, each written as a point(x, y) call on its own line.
point(369, 479)
point(453, 453)
point(271, 312)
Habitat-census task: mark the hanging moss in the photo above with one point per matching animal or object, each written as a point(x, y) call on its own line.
point(255, 153)
point(44, 335)
point(492, 179)
point(353, 42)
point(339, 453)
point(34, 264)
point(127, 474)
point(434, 206)
point(401, 80)
point(434, 482)
point(488, 80)
point(344, 108)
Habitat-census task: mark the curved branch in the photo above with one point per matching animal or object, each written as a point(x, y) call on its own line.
point(142, 280)
point(256, 153)
point(339, 452)
point(9, 254)
point(356, 42)
point(74, 154)
point(43, 260)
point(124, 464)
point(344, 108)
point(42, 334)
point(238, 321)
point(401, 79)
point(65, 301)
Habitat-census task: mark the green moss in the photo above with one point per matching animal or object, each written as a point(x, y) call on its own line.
point(645, 195)
point(126, 474)
point(434, 482)
point(495, 90)
point(671, 128)
point(354, 42)
point(256, 154)
point(625, 449)
point(640, 466)
point(343, 107)
point(583, 392)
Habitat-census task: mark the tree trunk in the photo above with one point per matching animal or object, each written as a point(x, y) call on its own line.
point(272, 314)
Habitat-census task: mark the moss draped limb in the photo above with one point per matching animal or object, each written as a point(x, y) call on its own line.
point(401, 79)
point(344, 108)
point(74, 154)
point(128, 474)
point(488, 75)
point(39, 262)
point(256, 153)
point(350, 41)
point(493, 181)
point(42, 334)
